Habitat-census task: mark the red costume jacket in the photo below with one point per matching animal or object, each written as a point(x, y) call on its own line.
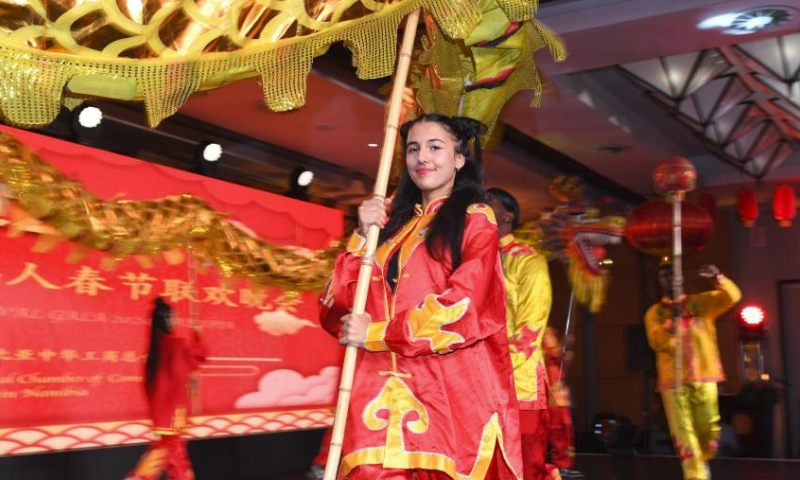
point(434, 389)
point(169, 400)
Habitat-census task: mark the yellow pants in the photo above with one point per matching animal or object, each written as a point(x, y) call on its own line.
point(693, 416)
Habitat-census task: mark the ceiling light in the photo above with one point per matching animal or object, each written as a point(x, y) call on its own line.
point(86, 123)
point(718, 21)
point(305, 178)
point(90, 117)
point(748, 21)
point(299, 180)
point(372, 145)
point(755, 23)
point(212, 152)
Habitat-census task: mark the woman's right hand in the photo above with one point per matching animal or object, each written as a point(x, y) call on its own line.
point(373, 212)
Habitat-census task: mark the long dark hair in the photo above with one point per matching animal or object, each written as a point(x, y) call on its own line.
point(447, 229)
point(159, 323)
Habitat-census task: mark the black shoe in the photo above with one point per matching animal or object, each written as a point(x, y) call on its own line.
point(568, 473)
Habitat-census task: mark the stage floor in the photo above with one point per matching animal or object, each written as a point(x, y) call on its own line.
point(607, 467)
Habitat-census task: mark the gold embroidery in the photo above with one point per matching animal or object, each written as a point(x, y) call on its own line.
point(491, 438)
point(426, 322)
point(399, 401)
point(482, 209)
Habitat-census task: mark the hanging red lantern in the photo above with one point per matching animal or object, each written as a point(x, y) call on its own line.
point(783, 205)
point(649, 227)
point(707, 202)
point(674, 175)
point(746, 207)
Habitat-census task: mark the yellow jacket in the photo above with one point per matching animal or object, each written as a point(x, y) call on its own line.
point(700, 357)
point(528, 301)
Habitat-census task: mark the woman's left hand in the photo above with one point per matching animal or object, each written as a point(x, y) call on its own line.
point(354, 329)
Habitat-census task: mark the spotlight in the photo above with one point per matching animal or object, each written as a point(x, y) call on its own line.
point(752, 316)
point(752, 320)
point(305, 178)
point(211, 152)
point(90, 117)
point(86, 123)
point(299, 180)
point(206, 156)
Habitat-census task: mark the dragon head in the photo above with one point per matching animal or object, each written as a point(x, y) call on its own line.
point(575, 233)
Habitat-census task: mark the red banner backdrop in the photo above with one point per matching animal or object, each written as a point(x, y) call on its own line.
point(73, 337)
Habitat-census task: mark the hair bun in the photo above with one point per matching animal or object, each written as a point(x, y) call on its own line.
point(469, 127)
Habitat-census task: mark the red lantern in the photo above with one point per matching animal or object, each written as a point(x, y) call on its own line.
point(707, 202)
point(675, 174)
point(649, 227)
point(783, 205)
point(746, 207)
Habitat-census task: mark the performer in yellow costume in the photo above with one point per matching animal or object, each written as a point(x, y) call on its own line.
point(528, 302)
point(690, 403)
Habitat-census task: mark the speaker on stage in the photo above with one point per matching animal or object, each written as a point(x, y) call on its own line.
point(750, 414)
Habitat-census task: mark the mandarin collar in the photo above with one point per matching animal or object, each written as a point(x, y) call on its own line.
point(507, 240)
point(433, 207)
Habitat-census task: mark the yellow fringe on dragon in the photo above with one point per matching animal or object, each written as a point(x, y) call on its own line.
point(59, 52)
point(37, 198)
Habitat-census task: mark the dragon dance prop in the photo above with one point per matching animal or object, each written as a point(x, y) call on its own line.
point(41, 200)
point(574, 233)
point(160, 52)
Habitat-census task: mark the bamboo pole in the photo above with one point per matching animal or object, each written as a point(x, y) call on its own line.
point(566, 335)
point(365, 273)
point(677, 286)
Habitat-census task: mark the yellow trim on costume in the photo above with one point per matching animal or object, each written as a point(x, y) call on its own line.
point(415, 238)
point(152, 463)
point(383, 251)
point(507, 240)
point(357, 245)
point(179, 423)
point(483, 209)
point(376, 333)
point(491, 438)
point(425, 322)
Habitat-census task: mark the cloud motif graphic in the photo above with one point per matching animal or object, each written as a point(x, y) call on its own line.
point(281, 322)
point(284, 388)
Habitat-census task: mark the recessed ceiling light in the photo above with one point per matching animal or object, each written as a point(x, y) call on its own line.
point(748, 21)
point(372, 145)
point(611, 149)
